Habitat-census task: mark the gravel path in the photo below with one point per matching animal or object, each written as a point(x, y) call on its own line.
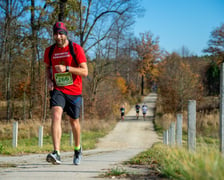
point(127, 139)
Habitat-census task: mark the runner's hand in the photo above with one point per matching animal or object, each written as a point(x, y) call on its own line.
point(50, 85)
point(60, 68)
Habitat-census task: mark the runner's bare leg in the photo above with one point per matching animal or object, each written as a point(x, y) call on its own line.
point(56, 130)
point(76, 129)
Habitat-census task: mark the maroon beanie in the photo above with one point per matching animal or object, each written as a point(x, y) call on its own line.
point(60, 27)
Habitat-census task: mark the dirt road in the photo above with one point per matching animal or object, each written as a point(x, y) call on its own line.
point(127, 139)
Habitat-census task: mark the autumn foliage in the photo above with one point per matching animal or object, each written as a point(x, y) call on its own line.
point(177, 84)
point(121, 84)
point(147, 48)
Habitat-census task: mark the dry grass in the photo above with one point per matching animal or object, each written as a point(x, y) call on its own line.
point(179, 163)
point(207, 124)
point(27, 130)
point(207, 121)
point(30, 128)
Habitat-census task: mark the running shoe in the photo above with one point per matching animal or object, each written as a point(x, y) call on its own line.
point(54, 158)
point(77, 156)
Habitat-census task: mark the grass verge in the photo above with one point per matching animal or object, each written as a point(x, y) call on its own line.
point(178, 163)
point(28, 136)
point(30, 145)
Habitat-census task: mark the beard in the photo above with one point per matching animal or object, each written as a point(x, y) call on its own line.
point(60, 42)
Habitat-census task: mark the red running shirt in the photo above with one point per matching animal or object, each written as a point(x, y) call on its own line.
point(63, 56)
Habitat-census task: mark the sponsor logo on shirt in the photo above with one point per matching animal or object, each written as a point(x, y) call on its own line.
point(61, 55)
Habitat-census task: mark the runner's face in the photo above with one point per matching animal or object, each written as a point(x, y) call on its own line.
point(60, 39)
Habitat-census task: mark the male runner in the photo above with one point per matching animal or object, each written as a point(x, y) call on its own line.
point(64, 79)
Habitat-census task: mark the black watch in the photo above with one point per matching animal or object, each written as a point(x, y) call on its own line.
point(67, 68)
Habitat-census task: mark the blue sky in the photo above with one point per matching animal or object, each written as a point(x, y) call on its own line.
point(179, 23)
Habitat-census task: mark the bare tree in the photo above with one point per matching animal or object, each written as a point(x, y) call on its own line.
point(216, 44)
point(33, 47)
point(98, 11)
point(38, 21)
point(184, 52)
point(12, 11)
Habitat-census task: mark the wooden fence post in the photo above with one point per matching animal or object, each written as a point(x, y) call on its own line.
point(169, 135)
point(40, 137)
point(15, 134)
point(179, 129)
point(172, 131)
point(221, 114)
point(192, 125)
point(165, 137)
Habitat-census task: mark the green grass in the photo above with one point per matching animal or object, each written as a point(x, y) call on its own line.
point(115, 171)
point(25, 146)
point(206, 163)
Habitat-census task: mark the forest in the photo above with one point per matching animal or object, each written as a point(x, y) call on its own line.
point(122, 67)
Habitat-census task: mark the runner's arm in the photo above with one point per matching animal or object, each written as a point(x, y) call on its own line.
point(82, 70)
point(48, 73)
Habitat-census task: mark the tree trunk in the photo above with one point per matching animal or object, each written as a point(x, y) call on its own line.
point(8, 91)
point(7, 56)
point(62, 7)
point(80, 24)
point(24, 104)
point(32, 84)
point(142, 86)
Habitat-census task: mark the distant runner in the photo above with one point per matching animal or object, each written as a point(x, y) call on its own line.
point(144, 110)
point(122, 110)
point(137, 108)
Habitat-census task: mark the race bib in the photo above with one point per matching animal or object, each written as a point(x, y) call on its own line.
point(63, 79)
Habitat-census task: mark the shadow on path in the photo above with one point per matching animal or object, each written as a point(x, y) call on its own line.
point(140, 118)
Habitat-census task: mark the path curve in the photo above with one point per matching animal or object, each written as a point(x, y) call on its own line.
point(128, 138)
